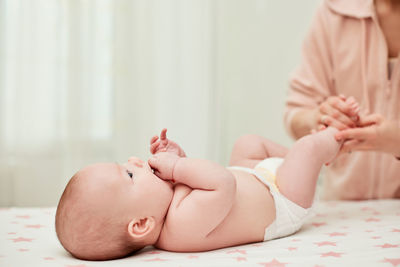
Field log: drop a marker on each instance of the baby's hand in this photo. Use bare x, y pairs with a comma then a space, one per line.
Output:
354, 110
165, 145
163, 165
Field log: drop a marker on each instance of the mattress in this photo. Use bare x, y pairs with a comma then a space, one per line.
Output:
365, 233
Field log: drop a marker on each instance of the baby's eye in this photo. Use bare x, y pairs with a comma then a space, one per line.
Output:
129, 173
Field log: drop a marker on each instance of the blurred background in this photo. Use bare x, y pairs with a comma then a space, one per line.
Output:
83, 81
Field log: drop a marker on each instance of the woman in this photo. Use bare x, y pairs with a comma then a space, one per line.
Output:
353, 50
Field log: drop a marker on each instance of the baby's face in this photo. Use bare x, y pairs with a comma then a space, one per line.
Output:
131, 187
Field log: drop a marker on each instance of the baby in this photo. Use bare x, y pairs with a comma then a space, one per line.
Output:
175, 203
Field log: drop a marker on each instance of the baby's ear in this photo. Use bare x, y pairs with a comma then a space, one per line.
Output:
139, 229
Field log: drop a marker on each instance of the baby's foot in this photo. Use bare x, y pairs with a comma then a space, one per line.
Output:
354, 108
328, 142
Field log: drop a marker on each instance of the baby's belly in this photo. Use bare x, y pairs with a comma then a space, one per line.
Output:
252, 212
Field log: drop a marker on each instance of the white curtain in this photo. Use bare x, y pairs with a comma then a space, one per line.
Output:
83, 81
87, 81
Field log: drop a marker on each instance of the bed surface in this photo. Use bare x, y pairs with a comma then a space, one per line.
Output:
365, 233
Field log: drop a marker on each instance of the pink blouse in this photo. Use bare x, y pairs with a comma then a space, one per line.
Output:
345, 52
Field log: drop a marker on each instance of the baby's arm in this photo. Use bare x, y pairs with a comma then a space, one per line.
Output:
251, 149
212, 197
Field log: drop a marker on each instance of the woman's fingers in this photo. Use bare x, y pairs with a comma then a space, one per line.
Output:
370, 120
335, 115
329, 121
355, 133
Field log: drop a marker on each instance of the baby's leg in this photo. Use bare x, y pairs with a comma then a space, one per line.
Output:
251, 149
298, 174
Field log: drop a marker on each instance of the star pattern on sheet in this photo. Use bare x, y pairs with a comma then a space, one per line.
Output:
34, 226
23, 216
240, 251
273, 263
318, 224
193, 257
21, 239
330, 245
395, 262
241, 259
325, 243
336, 234
371, 219
156, 259
386, 245
332, 254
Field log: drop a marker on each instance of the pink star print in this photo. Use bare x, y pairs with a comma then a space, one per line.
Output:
325, 243
241, 259
21, 239
23, 249
23, 216
394, 262
292, 248
396, 230
193, 257
316, 224
331, 254
372, 220
237, 251
154, 252
156, 259
36, 226
273, 263
366, 208
337, 234
386, 245
48, 258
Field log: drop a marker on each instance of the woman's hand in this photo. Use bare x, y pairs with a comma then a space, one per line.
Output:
375, 133
165, 145
337, 111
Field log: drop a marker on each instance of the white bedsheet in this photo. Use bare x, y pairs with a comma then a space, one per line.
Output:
343, 234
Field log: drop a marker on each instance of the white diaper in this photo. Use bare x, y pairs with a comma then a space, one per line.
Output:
289, 216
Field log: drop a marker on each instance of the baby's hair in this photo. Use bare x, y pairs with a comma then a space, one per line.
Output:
88, 234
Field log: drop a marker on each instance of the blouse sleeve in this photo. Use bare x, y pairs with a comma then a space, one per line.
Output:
312, 82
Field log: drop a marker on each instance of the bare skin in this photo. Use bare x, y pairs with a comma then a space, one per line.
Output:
209, 212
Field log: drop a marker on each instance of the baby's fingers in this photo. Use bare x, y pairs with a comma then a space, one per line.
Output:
154, 147
153, 139
163, 134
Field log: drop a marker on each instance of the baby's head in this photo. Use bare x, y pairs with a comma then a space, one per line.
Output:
109, 210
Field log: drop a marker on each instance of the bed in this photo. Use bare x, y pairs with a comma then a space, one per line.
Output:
365, 233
